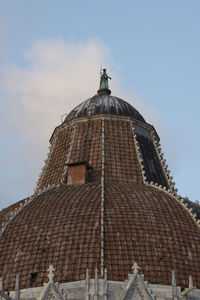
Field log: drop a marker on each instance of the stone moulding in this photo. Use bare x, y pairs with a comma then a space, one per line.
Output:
100, 117
172, 191
166, 171
139, 155
69, 152
45, 165
178, 198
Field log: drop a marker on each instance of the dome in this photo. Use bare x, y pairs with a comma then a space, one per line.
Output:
104, 200
62, 226
104, 104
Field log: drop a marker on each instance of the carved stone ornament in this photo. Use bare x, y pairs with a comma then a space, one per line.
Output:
5, 296
51, 290
136, 288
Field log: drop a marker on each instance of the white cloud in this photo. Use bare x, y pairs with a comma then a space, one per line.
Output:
57, 77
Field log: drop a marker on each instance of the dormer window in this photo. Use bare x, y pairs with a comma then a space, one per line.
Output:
77, 172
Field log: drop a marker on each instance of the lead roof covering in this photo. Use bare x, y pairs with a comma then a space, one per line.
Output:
104, 104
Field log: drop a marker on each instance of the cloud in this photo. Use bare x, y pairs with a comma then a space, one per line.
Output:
57, 77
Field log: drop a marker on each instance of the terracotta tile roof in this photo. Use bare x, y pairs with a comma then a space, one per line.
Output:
55, 164
62, 227
87, 145
146, 225
83, 142
121, 161
6, 212
112, 220
59, 227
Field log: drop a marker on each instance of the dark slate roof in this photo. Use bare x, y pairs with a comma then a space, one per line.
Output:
195, 207
62, 227
104, 104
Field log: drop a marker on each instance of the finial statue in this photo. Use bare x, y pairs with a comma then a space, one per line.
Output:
51, 275
104, 80
135, 268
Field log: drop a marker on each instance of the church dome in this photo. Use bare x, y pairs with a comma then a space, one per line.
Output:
104, 199
104, 104
62, 227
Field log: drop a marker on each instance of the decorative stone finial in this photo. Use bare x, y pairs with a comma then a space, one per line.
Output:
135, 268
173, 278
105, 274
87, 275
174, 286
17, 288
190, 281
51, 275
104, 87
96, 273
1, 285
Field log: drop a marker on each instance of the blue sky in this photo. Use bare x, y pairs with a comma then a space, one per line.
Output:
152, 50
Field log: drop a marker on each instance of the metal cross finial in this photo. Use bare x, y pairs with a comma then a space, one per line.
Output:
51, 275
135, 268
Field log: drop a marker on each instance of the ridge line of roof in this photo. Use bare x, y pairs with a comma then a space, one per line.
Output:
102, 199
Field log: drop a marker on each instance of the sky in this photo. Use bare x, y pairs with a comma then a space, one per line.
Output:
50, 56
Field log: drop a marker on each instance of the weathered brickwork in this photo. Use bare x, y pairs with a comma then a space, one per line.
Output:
121, 162
58, 228
87, 146
55, 164
6, 212
148, 226
62, 227
104, 202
